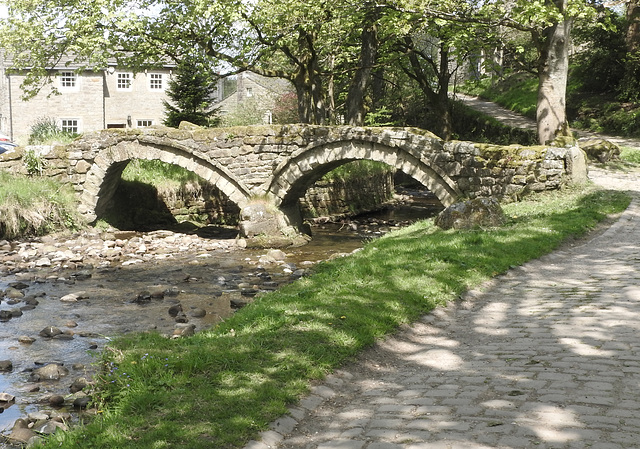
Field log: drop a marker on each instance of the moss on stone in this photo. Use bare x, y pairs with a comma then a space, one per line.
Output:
509, 156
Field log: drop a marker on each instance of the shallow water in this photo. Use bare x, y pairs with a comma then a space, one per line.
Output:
111, 308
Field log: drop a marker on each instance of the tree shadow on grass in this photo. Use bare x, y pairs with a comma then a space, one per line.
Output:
223, 386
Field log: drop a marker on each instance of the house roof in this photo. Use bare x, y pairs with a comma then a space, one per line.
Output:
67, 62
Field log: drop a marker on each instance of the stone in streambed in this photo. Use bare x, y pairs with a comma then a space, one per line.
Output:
175, 310
13, 293
198, 312
184, 330
50, 332
6, 398
6, 366
52, 371
79, 384
21, 432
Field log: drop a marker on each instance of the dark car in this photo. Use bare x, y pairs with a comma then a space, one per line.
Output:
6, 146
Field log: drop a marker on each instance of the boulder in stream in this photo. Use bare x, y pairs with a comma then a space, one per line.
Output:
6, 366
52, 371
50, 332
476, 213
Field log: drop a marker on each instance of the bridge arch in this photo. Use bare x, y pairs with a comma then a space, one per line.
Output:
295, 175
104, 175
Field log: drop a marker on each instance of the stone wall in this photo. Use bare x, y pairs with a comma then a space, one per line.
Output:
347, 197
510, 172
277, 164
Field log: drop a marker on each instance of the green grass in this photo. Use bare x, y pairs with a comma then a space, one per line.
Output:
221, 387
35, 206
630, 155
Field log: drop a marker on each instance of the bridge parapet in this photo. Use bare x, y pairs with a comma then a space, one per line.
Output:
275, 165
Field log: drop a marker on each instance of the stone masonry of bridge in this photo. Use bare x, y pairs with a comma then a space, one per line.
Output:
266, 169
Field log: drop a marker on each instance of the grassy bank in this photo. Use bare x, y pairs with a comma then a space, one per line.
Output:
601, 113
219, 388
32, 206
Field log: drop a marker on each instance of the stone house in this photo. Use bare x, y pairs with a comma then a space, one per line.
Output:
258, 93
85, 100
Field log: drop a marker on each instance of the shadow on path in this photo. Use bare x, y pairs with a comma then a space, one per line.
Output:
546, 356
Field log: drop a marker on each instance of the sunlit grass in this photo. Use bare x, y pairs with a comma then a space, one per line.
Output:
221, 387
35, 205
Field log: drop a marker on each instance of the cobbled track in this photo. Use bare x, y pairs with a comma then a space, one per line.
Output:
545, 356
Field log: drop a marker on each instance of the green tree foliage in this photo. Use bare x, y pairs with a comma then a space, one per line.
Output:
191, 91
598, 66
336, 54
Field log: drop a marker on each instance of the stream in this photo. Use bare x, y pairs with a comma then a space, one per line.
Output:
64, 298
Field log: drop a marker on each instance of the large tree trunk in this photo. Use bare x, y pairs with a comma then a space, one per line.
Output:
442, 101
438, 98
633, 26
368, 52
311, 107
308, 84
552, 88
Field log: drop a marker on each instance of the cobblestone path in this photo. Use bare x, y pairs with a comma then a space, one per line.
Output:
545, 356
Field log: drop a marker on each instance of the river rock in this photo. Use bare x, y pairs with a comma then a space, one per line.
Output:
50, 332
81, 402
55, 400
143, 296
6, 397
479, 212
157, 291
198, 312
175, 310
184, 330
173, 291
5, 315
18, 285
66, 335
52, 371
181, 317
47, 427
81, 275
21, 432
31, 300
6, 366
13, 293
43, 262
79, 384
25, 339
239, 303
73, 297
248, 291
38, 416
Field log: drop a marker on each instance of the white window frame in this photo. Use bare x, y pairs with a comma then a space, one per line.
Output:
72, 125
143, 123
156, 81
249, 92
121, 78
68, 80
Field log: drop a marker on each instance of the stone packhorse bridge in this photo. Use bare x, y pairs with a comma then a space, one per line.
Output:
266, 169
